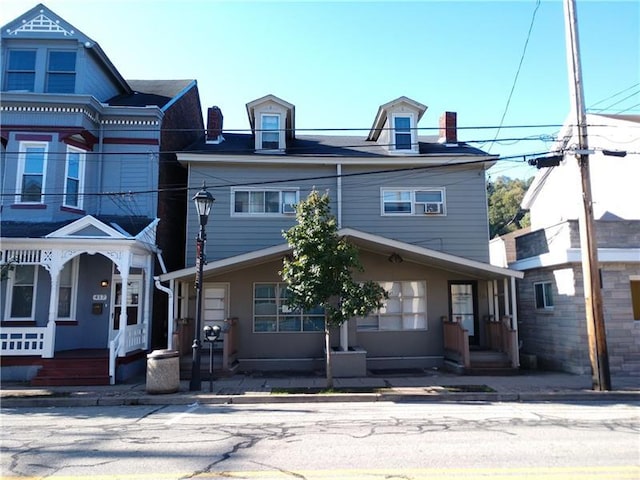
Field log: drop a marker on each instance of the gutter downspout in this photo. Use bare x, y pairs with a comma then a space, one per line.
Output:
169, 293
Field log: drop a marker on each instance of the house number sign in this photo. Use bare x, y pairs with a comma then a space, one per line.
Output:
99, 297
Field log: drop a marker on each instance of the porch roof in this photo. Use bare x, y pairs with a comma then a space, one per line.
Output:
366, 242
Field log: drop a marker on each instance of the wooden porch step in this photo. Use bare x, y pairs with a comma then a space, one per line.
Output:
72, 371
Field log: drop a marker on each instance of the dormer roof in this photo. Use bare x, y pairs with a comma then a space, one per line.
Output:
290, 124
384, 110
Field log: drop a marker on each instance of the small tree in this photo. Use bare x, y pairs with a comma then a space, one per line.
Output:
319, 271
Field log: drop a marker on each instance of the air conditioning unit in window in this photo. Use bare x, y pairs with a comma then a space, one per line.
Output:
288, 208
432, 208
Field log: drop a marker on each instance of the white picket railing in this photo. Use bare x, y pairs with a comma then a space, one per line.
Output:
23, 341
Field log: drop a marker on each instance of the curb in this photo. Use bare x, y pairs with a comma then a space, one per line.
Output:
398, 397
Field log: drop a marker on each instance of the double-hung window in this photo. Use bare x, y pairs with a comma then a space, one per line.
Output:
272, 314
270, 132
67, 289
32, 168
402, 133
21, 70
22, 292
61, 72
544, 295
264, 202
405, 309
428, 201
74, 177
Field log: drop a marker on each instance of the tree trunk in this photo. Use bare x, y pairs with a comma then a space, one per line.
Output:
327, 348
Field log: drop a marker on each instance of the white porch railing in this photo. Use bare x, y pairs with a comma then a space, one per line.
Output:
23, 341
135, 338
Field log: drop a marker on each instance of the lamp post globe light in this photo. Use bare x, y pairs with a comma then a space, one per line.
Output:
203, 201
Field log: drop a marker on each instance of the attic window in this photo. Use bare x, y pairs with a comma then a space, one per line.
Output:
21, 70
61, 72
270, 132
402, 130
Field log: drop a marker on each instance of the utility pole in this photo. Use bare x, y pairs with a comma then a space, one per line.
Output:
598, 353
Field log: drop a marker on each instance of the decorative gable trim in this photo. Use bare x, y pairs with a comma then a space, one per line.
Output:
87, 227
41, 24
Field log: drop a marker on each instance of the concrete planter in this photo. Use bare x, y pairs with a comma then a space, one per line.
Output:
350, 363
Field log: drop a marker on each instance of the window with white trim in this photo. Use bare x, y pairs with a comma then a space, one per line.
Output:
61, 72
402, 132
405, 309
272, 314
67, 288
32, 163
270, 132
21, 71
544, 295
74, 177
264, 202
22, 292
427, 201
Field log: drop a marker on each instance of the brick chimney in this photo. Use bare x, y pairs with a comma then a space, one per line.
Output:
448, 128
214, 125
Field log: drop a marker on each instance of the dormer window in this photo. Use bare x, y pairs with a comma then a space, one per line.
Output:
270, 132
402, 132
395, 126
272, 122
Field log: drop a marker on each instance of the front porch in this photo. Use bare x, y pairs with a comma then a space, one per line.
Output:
498, 357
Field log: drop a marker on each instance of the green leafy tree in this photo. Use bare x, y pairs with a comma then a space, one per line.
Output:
320, 270
504, 196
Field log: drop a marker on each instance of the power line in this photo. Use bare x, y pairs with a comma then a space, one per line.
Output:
283, 180
515, 80
614, 95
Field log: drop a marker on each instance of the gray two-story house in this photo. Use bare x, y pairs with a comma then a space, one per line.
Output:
414, 205
88, 182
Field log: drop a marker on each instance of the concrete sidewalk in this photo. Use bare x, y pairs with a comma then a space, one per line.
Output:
264, 388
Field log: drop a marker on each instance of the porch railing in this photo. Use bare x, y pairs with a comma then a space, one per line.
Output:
23, 341
134, 339
456, 343
504, 338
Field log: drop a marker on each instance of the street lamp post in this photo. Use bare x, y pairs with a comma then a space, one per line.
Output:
203, 201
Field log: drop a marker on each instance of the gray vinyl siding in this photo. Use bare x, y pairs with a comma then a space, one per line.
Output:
129, 168
229, 235
93, 79
462, 231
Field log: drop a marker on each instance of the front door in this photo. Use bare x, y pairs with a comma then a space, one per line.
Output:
214, 306
134, 297
462, 298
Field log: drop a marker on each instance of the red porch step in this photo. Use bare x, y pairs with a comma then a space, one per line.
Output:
72, 371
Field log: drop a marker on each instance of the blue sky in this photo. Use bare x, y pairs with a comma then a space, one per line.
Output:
338, 61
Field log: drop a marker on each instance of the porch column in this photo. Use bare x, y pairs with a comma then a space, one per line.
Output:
516, 351
122, 329
505, 287
496, 301
50, 336
344, 336
53, 263
490, 300
148, 292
